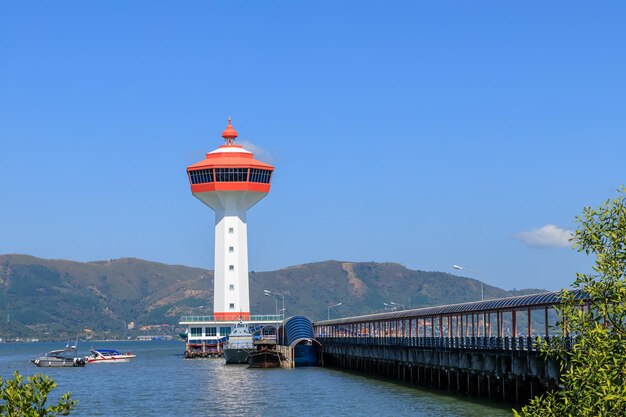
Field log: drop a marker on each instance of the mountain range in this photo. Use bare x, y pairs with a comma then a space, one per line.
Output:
51, 298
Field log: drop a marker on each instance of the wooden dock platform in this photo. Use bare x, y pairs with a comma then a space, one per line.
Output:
203, 351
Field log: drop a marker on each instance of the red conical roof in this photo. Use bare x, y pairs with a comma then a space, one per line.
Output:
229, 133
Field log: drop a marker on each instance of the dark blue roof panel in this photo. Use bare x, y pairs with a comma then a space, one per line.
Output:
297, 327
532, 301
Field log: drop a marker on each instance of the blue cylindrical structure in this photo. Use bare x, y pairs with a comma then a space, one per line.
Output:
297, 332
296, 327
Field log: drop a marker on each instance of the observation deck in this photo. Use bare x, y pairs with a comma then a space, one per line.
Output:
230, 168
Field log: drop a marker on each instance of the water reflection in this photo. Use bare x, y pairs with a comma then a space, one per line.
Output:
161, 383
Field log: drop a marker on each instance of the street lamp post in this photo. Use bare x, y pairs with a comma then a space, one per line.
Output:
480, 275
268, 293
393, 306
329, 307
192, 309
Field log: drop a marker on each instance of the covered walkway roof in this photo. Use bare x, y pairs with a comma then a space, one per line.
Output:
532, 301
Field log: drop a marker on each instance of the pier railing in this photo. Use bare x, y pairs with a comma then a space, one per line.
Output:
201, 319
527, 344
512, 323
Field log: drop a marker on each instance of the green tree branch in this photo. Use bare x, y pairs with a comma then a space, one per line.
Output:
28, 399
594, 368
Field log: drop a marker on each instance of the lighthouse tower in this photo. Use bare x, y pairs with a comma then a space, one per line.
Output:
230, 181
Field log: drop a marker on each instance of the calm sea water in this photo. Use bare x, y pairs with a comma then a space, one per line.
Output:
159, 382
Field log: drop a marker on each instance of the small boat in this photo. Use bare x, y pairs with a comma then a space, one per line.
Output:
239, 344
64, 358
108, 356
265, 355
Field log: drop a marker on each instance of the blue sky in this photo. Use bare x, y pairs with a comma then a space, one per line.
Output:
424, 133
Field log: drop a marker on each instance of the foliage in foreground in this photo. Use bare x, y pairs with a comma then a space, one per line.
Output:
28, 399
594, 370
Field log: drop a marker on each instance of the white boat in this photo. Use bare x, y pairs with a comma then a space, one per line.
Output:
63, 358
108, 356
239, 344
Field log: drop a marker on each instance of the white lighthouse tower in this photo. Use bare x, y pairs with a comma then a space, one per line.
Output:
230, 181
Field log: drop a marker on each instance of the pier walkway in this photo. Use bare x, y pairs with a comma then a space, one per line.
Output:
483, 348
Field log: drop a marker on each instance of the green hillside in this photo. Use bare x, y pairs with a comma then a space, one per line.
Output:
46, 299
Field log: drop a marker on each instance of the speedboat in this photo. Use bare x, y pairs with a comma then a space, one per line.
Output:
63, 358
108, 356
239, 344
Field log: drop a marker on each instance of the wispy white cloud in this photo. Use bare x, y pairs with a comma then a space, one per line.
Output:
548, 235
259, 153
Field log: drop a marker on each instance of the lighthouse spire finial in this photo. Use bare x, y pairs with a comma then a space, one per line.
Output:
229, 134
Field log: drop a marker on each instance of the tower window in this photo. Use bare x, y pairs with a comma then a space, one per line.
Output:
201, 176
231, 249
231, 306
231, 230
231, 174
231, 287
231, 267
260, 175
